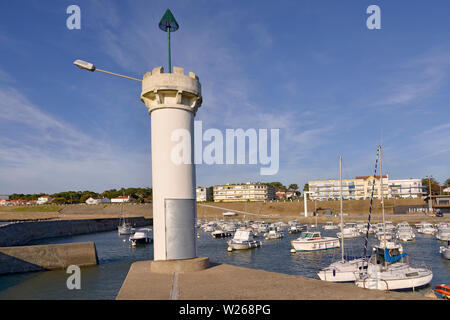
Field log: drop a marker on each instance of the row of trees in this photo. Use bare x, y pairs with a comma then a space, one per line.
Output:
70, 197
280, 187
436, 187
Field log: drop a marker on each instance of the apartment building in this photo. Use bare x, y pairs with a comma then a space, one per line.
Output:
202, 194
361, 187
243, 192
406, 188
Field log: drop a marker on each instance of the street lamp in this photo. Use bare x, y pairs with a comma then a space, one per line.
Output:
91, 67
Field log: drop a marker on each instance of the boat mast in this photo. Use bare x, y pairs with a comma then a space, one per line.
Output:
340, 199
366, 241
382, 202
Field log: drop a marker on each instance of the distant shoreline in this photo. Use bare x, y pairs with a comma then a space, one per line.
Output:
354, 210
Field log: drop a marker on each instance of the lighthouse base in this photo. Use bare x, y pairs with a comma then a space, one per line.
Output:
181, 265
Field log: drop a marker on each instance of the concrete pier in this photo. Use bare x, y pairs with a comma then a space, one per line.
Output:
46, 257
226, 282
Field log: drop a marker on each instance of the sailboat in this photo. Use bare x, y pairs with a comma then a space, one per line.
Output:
386, 269
342, 270
124, 228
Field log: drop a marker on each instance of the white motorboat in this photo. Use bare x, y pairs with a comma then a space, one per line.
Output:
445, 250
443, 233
273, 234
349, 231
330, 226
403, 224
388, 235
426, 228
210, 227
313, 241
141, 236
230, 227
405, 234
387, 271
361, 227
220, 234
263, 228
243, 239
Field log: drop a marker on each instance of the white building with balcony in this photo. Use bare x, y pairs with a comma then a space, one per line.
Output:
361, 187
406, 188
243, 192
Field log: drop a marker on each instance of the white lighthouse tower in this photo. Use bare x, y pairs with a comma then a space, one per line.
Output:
172, 100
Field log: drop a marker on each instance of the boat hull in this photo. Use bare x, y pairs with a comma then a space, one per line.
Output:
386, 281
346, 271
316, 245
403, 284
445, 252
141, 241
221, 235
125, 230
244, 246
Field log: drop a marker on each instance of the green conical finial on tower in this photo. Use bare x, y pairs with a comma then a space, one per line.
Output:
168, 24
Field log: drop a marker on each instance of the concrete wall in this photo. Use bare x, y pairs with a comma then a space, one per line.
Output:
47, 257
22, 233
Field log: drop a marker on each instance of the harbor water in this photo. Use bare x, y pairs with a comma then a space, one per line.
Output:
115, 256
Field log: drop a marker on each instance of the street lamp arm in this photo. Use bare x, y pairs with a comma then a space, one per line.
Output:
90, 67
118, 75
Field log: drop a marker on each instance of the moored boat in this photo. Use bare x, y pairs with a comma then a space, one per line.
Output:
243, 239
443, 290
313, 241
141, 236
405, 234
343, 270
125, 229
349, 231
387, 271
273, 234
445, 250
221, 234
426, 228
443, 233
330, 226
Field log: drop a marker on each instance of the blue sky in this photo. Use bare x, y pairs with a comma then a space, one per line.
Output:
309, 68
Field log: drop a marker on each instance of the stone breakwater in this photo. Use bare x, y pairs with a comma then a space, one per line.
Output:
22, 233
47, 257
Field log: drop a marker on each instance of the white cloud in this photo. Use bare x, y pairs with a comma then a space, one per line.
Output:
416, 79
41, 153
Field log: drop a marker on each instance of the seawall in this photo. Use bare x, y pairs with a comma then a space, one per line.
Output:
22, 233
47, 257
